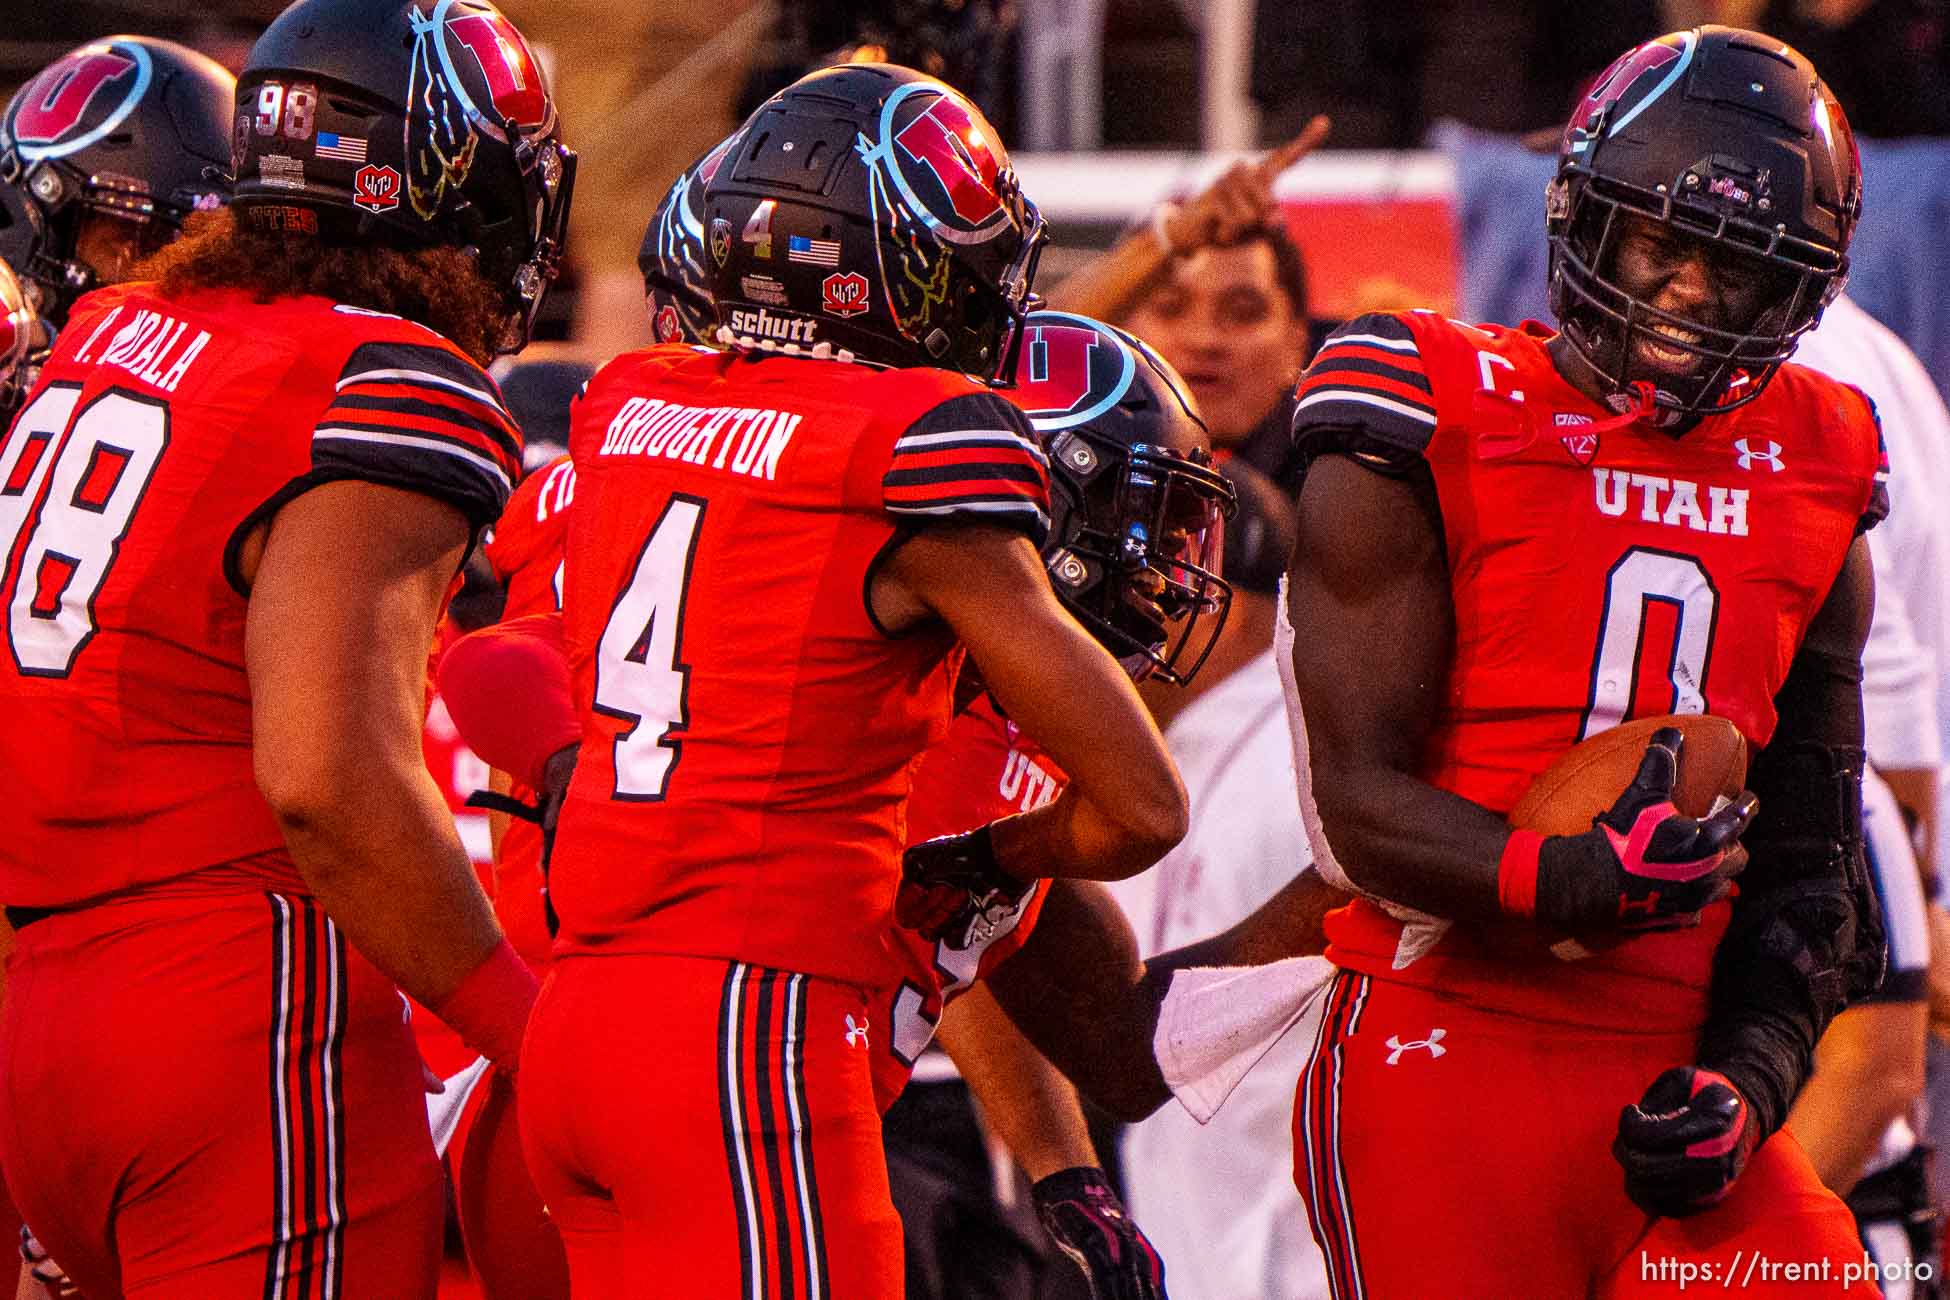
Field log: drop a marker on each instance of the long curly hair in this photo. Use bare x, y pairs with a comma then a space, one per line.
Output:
439, 287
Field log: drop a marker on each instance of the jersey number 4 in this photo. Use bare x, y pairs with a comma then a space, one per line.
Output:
96, 463
638, 676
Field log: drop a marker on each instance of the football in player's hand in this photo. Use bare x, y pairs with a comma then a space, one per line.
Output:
1588, 778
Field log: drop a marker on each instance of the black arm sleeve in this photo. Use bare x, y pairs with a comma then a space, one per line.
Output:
1807, 934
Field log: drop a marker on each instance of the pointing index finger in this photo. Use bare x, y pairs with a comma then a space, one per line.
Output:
1295, 149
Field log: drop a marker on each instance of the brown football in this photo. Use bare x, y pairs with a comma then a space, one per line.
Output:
1589, 777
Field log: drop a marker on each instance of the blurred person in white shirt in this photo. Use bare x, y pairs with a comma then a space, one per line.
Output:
1857, 1115
1219, 1201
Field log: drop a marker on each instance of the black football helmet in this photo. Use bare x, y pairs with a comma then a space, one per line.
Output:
131, 126
1728, 136
416, 122
1137, 512
23, 343
676, 283
868, 211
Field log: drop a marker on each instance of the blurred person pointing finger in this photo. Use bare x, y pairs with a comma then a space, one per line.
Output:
1218, 287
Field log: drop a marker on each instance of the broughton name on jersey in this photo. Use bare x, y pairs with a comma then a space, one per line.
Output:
748, 440
1674, 502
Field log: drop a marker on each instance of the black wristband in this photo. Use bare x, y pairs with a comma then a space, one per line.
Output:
1575, 890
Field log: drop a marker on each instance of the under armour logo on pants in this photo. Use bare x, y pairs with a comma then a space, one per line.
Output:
1433, 1043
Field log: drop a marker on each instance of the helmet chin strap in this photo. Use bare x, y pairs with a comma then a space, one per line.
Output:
1638, 402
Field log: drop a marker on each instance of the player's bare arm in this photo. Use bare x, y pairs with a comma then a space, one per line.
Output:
1086, 1001
1033, 1109
344, 596
1125, 806
1369, 586
1026, 1102
1868, 1072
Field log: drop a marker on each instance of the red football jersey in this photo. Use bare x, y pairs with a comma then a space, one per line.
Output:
525, 549
749, 732
983, 769
161, 432
1596, 577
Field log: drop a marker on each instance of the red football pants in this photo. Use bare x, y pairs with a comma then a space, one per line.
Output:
214, 1097
1444, 1150
705, 1130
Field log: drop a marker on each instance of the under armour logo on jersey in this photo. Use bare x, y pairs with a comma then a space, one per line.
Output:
1433, 1043
856, 1032
1770, 458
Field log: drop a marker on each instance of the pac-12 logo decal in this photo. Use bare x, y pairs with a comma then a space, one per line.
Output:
1070, 370
80, 98
376, 189
1575, 433
844, 294
942, 159
720, 240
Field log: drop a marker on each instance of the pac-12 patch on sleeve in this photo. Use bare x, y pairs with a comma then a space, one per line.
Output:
421, 418
972, 459
1369, 376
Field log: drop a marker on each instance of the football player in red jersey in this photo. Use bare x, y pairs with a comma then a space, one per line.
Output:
1130, 459
103, 154
234, 504
1644, 511
772, 557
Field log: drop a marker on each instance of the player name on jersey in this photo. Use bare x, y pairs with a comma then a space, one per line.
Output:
747, 440
151, 345
1725, 512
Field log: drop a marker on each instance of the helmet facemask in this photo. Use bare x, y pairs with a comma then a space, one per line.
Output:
1138, 535
1606, 323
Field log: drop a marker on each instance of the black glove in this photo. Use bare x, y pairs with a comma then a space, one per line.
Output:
952, 890
1643, 865
1089, 1224
1685, 1142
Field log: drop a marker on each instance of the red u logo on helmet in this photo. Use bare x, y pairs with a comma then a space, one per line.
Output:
953, 145
514, 78
55, 103
1054, 374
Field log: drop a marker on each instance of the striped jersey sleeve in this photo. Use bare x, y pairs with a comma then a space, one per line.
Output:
422, 418
1367, 380
972, 459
